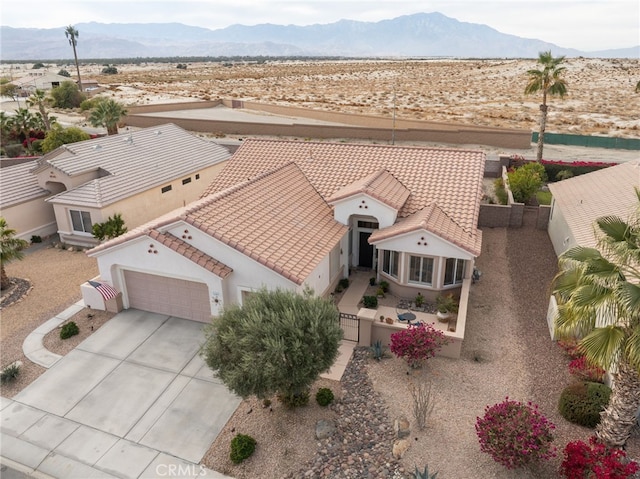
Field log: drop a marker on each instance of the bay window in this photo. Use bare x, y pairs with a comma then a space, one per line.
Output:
390, 260
453, 271
421, 270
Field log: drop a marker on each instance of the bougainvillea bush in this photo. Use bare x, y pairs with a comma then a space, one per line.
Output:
417, 343
582, 369
515, 434
597, 461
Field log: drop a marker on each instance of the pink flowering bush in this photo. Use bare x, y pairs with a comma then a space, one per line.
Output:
584, 370
515, 434
597, 461
417, 343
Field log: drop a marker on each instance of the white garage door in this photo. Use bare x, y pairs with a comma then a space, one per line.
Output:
175, 297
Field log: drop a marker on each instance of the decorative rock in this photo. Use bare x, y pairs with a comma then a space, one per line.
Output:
324, 428
401, 427
400, 448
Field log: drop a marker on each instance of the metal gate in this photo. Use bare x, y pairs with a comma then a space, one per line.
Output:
350, 325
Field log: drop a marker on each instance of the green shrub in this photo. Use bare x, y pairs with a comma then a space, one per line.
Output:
526, 180
372, 281
582, 402
10, 373
242, 447
344, 282
370, 302
291, 401
36, 239
563, 175
324, 396
14, 150
384, 285
68, 330
501, 192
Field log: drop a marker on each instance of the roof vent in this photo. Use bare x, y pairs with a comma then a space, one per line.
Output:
96, 147
129, 139
158, 132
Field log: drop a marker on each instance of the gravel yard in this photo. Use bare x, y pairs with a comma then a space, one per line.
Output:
55, 276
507, 352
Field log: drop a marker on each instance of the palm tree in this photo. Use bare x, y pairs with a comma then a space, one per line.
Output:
72, 35
39, 99
10, 249
24, 121
107, 113
598, 293
550, 81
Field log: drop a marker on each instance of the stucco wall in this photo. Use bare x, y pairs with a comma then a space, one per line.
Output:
364, 126
34, 217
559, 232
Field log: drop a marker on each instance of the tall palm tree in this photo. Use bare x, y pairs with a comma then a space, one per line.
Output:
107, 113
548, 80
598, 291
10, 249
39, 99
72, 35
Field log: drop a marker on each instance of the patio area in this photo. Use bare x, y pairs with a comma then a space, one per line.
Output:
392, 306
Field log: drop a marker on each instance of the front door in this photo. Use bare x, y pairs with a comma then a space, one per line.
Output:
365, 258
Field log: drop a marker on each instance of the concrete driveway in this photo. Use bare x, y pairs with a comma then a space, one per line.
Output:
134, 400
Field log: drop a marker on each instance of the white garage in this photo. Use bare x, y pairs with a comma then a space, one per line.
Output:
166, 295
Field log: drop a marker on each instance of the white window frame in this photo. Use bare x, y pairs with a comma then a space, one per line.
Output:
421, 269
458, 267
393, 259
82, 219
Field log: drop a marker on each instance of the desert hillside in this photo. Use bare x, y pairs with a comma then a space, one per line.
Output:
601, 99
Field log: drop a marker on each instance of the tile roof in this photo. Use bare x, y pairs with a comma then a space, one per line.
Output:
18, 185
433, 219
381, 185
130, 163
449, 178
192, 253
585, 198
290, 232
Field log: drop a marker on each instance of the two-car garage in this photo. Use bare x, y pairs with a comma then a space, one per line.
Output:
165, 295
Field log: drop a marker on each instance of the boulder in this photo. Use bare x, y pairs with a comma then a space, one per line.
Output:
400, 448
325, 428
401, 427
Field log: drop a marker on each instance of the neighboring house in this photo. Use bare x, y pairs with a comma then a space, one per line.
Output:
294, 214
579, 201
22, 202
90, 84
140, 175
41, 80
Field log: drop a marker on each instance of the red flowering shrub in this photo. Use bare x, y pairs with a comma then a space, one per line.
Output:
597, 461
570, 347
417, 343
584, 370
515, 434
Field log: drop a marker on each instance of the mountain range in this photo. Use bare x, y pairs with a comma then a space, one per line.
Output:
418, 35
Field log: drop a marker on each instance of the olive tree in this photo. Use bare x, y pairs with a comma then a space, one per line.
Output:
276, 342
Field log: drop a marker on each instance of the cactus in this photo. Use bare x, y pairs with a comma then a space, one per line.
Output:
418, 474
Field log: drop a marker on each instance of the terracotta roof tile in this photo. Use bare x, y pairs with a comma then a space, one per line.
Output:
381, 185
448, 178
190, 252
585, 198
277, 218
436, 221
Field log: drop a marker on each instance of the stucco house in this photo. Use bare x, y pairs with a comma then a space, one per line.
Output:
139, 175
39, 79
22, 202
294, 214
579, 201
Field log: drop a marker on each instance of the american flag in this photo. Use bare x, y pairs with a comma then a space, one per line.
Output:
107, 292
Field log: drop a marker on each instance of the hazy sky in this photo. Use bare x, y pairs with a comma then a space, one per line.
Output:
583, 24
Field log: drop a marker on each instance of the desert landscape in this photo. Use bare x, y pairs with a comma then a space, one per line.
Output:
601, 99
